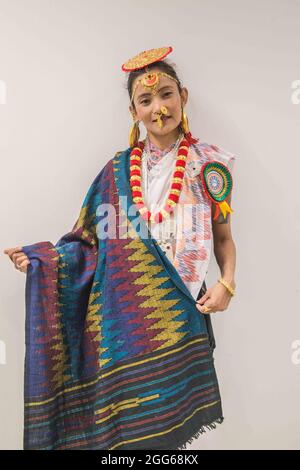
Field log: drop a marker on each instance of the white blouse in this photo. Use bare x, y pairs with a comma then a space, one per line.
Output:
185, 237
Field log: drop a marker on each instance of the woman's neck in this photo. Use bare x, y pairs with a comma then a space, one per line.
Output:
164, 141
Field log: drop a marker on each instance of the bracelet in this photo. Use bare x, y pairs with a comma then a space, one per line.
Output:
228, 287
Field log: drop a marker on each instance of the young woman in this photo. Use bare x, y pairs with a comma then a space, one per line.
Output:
119, 341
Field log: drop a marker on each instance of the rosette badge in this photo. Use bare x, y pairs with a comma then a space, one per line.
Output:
217, 183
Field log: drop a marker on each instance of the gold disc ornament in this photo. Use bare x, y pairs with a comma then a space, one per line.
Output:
146, 58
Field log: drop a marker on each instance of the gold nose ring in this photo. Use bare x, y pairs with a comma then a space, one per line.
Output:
164, 111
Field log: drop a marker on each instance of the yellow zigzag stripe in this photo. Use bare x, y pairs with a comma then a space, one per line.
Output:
59, 350
163, 308
82, 222
94, 318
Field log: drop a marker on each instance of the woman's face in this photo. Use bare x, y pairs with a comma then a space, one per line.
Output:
147, 105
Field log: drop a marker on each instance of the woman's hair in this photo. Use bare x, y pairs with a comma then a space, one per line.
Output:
163, 65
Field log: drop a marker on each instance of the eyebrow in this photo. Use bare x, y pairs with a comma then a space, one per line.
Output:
147, 94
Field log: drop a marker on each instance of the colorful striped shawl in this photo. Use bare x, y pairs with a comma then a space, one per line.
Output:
117, 354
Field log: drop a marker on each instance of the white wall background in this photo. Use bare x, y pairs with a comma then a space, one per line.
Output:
63, 115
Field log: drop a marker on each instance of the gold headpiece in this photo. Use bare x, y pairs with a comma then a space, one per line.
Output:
145, 58
151, 80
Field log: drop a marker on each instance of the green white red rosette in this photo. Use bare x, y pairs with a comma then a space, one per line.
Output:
217, 184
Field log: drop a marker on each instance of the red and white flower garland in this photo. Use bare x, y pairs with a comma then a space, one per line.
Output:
176, 186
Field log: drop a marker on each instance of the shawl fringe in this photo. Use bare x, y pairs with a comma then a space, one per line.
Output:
203, 429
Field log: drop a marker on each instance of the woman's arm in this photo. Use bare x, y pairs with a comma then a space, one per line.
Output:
224, 247
217, 297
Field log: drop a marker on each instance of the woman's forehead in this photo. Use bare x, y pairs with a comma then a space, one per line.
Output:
163, 81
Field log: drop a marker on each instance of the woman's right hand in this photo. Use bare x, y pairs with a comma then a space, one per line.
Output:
18, 257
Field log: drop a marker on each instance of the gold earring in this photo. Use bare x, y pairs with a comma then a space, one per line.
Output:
185, 123
134, 134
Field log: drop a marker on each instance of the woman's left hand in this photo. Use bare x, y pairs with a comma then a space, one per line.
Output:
217, 298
